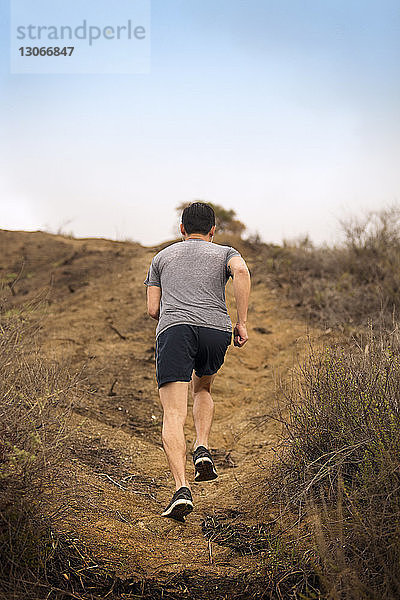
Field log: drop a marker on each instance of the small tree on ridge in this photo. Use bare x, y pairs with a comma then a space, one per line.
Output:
225, 219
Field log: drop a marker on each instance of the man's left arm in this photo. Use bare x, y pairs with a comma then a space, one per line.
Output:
153, 301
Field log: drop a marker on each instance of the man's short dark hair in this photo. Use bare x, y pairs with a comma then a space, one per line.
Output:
198, 217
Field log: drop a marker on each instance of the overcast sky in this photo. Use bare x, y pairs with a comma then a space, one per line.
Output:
286, 111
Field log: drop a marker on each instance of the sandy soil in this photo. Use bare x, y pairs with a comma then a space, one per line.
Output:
95, 317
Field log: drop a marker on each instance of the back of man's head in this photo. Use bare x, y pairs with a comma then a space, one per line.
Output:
198, 217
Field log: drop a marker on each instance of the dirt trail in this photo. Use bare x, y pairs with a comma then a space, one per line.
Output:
96, 317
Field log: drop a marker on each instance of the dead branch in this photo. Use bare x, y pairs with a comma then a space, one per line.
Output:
111, 392
123, 337
12, 283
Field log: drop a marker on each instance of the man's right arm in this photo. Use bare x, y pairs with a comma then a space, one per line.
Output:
241, 290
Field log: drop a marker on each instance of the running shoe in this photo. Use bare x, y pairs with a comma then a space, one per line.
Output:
180, 505
204, 465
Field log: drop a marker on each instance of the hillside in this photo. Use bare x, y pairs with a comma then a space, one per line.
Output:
94, 317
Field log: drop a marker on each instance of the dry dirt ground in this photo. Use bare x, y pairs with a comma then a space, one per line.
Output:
95, 317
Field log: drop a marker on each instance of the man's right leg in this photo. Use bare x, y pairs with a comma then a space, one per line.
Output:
212, 347
203, 408
203, 411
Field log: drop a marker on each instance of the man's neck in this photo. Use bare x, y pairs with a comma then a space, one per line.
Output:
198, 236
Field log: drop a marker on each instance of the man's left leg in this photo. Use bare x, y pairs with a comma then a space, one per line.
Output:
173, 397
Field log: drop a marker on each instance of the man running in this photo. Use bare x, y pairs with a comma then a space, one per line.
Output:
186, 295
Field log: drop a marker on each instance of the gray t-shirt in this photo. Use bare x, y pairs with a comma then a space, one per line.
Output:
192, 275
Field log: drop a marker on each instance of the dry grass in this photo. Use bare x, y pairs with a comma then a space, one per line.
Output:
35, 401
336, 484
345, 286
337, 479
332, 515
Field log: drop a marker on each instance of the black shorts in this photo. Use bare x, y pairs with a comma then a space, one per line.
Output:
180, 349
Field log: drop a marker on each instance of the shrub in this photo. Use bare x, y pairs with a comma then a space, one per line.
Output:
348, 285
340, 468
34, 403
